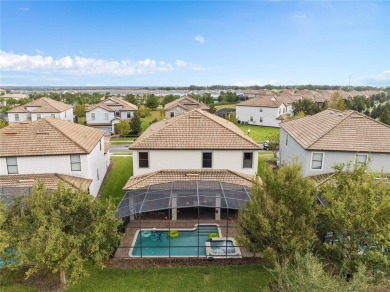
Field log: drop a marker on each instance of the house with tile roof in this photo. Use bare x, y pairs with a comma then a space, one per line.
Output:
182, 105
41, 108
261, 111
331, 137
190, 156
109, 112
52, 146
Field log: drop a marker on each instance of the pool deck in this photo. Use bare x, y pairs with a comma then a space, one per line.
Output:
228, 229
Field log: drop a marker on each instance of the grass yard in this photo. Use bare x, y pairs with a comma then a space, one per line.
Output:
259, 133
209, 278
218, 107
117, 178
122, 139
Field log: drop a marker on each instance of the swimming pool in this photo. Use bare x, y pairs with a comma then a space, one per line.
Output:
158, 243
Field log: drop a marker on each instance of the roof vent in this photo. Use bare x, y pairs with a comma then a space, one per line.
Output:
340, 115
25, 180
192, 174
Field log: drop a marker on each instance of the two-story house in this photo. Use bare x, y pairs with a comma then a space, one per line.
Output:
41, 108
262, 111
106, 114
182, 105
53, 146
191, 153
331, 137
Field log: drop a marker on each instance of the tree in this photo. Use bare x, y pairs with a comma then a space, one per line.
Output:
122, 128
3, 123
212, 109
281, 218
169, 98
356, 220
273, 143
152, 101
307, 106
131, 98
143, 111
231, 117
336, 102
79, 110
60, 231
135, 124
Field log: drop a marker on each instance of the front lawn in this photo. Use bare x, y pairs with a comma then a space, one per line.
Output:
121, 171
259, 133
208, 278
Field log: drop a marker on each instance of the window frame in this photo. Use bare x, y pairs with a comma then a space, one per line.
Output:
360, 154
12, 165
106, 116
17, 118
143, 159
53, 115
203, 159
39, 116
93, 116
172, 114
243, 159
129, 115
251, 119
261, 109
73, 164
261, 119
322, 161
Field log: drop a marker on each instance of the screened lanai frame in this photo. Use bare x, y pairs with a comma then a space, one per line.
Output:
183, 194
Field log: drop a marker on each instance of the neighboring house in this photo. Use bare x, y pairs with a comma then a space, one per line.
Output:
182, 105
5, 97
331, 137
39, 109
196, 159
106, 114
262, 111
53, 146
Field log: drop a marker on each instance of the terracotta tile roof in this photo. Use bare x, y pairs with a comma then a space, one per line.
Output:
45, 105
170, 175
126, 106
18, 109
186, 102
107, 146
48, 136
286, 99
339, 131
195, 129
50, 180
265, 101
101, 105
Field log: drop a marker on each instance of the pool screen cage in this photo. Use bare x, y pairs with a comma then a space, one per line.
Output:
161, 203
8, 193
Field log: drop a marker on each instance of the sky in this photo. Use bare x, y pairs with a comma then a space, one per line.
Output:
182, 43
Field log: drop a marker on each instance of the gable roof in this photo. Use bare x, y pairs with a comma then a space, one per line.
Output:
48, 136
186, 102
50, 180
44, 104
126, 106
195, 129
265, 101
171, 175
334, 130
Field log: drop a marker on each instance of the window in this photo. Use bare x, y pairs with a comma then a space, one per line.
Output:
207, 159
12, 165
279, 111
143, 159
248, 160
261, 119
172, 114
128, 115
97, 174
53, 115
92, 116
65, 114
100, 145
75, 163
286, 139
16, 117
261, 110
38, 116
106, 116
316, 160
251, 119
117, 113
361, 159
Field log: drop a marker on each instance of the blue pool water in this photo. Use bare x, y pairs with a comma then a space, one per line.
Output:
158, 243
220, 247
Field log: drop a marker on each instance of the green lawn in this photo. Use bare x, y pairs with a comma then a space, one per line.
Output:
259, 133
117, 178
218, 107
120, 139
209, 278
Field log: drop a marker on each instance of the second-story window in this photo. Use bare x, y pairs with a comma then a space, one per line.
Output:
261, 119
143, 159
16, 117
172, 114
38, 116
261, 110
361, 159
207, 159
75, 163
128, 115
92, 116
12, 165
53, 115
106, 116
248, 160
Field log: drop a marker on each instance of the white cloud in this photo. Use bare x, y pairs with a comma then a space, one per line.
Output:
86, 66
199, 39
39, 52
381, 79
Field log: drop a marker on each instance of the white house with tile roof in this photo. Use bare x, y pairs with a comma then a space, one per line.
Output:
41, 108
53, 146
106, 114
331, 137
261, 111
194, 140
182, 105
